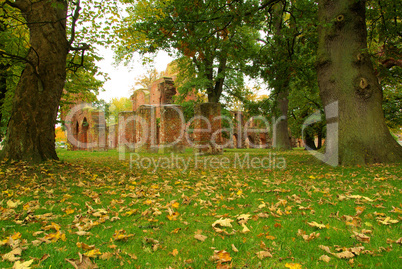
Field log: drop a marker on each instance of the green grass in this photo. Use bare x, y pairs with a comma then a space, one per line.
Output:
139, 202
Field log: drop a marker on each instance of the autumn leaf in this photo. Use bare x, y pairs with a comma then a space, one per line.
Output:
53, 226
316, 225
242, 219
174, 253
344, 254
309, 237
221, 256
173, 216
85, 246
324, 258
121, 235
106, 256
83, 262
245, 229
54, 237
22, 265
12, 255
325, 248
200, 237
293, 266
361, 237
264, 254
223, 223
93, 253
388, 221
11, 204
234, 248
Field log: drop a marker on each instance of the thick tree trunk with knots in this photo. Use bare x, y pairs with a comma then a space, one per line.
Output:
31, 130
346, 75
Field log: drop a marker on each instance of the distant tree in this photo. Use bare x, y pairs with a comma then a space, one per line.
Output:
209, 37
60, 135
145, 80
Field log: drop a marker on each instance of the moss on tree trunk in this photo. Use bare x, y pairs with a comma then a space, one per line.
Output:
346, 76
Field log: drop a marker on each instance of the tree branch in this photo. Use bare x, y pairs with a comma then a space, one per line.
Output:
74, 22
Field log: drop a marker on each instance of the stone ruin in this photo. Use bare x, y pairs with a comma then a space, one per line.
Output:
157, 125
86, 129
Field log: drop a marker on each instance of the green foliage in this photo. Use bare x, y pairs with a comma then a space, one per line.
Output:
117, 105
210, 36
14, 45
84, 80
384, 25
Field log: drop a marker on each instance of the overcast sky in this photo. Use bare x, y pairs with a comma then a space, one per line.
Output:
122, 78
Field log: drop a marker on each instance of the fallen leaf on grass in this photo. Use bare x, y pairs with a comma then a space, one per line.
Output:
106, 256
344, 254
53, 226
173, 216
221, 256
174, 253
263, 215
293, 266
242, 219
325, 248
83, 262
85, 246
263, 254
22, 265
121, 235
223, 223
223, 266
309, 237
56, 236
324, 258
12, 205
82, 233
94, 253
361, 237
245, 229
315, 224
234, 248
388, 221
200, 237
11, 256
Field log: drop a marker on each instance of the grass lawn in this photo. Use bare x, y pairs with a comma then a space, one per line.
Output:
219, 212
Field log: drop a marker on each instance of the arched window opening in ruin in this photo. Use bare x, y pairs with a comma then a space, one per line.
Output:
76, 130
84, 131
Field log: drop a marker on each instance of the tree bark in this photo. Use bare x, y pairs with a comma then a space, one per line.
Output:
281, 137
346, 75
31, 130
3, 90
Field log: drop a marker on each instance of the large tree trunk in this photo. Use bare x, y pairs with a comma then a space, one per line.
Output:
346, 76
3, 90
31, 130
281, 138
3, 83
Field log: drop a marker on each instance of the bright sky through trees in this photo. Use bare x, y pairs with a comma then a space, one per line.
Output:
122, 78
